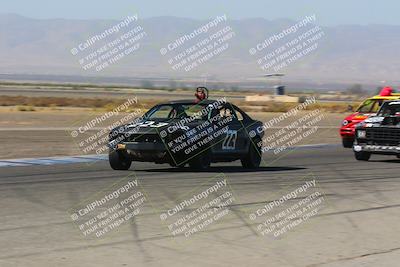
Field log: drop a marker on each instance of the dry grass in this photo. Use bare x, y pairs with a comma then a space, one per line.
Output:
55, 102
52, 101
284, 107
25, 108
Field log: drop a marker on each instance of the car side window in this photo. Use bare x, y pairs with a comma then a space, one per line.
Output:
376, 106
241, 116
227, 112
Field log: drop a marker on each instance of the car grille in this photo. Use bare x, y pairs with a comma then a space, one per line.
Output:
382, 136
145, 138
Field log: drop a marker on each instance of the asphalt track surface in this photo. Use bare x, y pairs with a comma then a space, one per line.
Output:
358, 225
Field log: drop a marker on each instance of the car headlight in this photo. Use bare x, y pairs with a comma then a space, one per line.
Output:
361, 124
345, 122
361, 134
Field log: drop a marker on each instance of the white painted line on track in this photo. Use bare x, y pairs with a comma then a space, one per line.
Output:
51, 160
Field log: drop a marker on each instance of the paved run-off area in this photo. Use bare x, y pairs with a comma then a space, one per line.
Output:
358, 225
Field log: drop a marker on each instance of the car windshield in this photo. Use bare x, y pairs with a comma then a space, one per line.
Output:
390, 109
175, 111
370, 106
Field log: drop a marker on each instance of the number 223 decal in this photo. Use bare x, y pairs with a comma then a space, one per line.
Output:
229, 142
151, 124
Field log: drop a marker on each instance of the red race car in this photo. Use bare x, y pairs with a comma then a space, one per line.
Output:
368, 108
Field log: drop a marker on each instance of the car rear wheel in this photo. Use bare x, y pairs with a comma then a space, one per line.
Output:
118, 161
253, 158
362, 156
201, 161
347, 142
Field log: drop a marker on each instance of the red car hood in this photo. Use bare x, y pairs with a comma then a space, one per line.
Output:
358, 116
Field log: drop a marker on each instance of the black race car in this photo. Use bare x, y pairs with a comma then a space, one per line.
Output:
189, 132
379, 134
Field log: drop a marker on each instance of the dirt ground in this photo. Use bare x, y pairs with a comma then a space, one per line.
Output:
47, 132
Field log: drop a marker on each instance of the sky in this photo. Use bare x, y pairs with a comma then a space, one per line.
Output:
329, 13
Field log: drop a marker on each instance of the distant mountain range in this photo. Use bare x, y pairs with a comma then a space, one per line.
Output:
345, 54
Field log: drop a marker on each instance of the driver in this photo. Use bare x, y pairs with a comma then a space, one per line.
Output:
201, 94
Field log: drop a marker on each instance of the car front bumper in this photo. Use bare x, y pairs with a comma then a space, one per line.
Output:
144, 151
347, 132
377, 149
141, 146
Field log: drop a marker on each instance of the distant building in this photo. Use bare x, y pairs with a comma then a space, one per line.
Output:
272, 98
279, 93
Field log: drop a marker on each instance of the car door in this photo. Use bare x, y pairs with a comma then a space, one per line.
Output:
234, 140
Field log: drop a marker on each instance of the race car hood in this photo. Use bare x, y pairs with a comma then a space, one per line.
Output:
358, 116
154, 126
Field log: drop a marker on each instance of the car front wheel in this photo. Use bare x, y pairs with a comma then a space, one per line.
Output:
362, 156
118, 161
253, 158
347, 142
